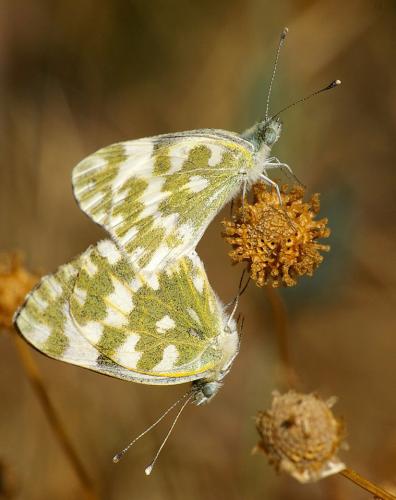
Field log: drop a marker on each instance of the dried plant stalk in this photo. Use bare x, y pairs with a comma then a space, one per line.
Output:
15, 283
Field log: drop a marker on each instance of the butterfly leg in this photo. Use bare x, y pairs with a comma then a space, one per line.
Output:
276, 163
272, 183
243, 196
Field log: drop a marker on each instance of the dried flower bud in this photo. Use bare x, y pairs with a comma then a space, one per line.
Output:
15, 282
301, 436
278, 241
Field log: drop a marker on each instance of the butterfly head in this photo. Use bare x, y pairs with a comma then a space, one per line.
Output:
204, 390
269, 131
264, 133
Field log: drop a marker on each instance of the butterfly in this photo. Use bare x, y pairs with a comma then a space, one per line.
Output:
156, 196
99, 313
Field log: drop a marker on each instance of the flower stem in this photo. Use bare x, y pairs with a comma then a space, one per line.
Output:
37, 383
279, 313
367, 485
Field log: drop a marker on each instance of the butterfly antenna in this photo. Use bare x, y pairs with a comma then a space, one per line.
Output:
331, 85
241, 289
149, 468
281, 42
119, 455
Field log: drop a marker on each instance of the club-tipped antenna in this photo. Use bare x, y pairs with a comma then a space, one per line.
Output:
281, 42
120, 454
332, 85
149, 468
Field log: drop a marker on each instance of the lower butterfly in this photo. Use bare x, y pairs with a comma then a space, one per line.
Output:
99, 313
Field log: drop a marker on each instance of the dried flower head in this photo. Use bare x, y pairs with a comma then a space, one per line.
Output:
301, 436
278, 241
15, 282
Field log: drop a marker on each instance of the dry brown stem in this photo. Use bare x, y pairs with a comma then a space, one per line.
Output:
378, 492
32, 372
289, 375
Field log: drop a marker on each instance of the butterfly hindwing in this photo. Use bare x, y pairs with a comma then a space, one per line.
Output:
156, 196
161, 325
99, 313
45, 322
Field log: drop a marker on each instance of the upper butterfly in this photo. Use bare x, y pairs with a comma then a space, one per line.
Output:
157, 195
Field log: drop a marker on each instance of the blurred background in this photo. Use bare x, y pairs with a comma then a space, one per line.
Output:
76, 76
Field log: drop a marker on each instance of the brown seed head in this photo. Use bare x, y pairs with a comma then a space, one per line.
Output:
301, 436
279, 242
15, 282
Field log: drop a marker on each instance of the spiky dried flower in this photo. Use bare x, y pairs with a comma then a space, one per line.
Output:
301, 436
15, 282
279, 242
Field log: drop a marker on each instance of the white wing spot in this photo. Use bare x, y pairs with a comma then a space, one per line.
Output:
53, 286
194, 315
129, 235
137, 159
126, 355
136, 254
121, 297
90, 267
79, 351
151, 279
166, 323
168, 360
37, 333
158, 256
135, 284
152, 196
115, 318
109, 251
216, 155
80, 295
198, 282
197, 183
178, 155
185, 231
94, 331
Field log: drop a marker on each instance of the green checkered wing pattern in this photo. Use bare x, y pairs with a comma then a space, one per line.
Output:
45, 322
168, 325
156, 196
97, 312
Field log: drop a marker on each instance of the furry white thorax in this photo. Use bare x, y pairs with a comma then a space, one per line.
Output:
263, 136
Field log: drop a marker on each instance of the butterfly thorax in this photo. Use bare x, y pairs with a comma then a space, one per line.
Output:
263, 135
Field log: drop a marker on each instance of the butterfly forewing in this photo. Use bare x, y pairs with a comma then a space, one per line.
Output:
161, 325
156, 196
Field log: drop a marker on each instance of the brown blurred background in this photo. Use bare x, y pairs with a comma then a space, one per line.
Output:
76, 76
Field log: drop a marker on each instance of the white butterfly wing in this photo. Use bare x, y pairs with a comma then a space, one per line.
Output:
156, 196
60, 318
170, 325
